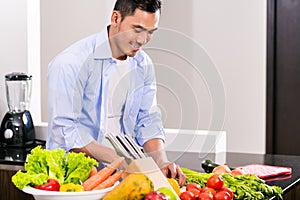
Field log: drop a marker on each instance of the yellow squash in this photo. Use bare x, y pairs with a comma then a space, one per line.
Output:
135, 186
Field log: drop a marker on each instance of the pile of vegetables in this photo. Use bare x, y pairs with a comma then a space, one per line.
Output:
214, 190
244, 186
47, 168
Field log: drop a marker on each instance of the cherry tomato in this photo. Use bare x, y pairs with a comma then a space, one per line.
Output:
195, 191
208, 190
206, 196
222, 195
215, 181
187, 195
52, 185
227, 190
193, 185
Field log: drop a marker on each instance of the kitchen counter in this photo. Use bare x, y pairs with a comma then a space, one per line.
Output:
12, 160
289, 183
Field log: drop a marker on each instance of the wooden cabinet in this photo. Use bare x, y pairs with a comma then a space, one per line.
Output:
283, 72
293, 194
7, 189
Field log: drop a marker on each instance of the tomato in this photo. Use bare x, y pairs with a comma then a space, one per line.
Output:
215, 181
227, 190
187, 195
222, 195
195, 191
206, 196
52, 185
208, 190
193, 185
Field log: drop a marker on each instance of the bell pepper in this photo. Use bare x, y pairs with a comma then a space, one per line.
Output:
51, 185
71, 187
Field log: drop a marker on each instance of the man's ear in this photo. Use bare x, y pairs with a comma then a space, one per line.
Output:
116, 18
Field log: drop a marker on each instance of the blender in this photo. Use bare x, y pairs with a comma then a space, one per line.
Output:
17, 129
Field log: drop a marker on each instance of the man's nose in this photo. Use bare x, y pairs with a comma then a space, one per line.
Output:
142, 38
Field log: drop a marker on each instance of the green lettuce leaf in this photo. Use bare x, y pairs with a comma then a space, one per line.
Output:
56, 164
44, 164
78, 167
36, 162
21, 179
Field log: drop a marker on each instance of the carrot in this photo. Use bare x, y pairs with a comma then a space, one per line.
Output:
93, 172
110, 181
102, 175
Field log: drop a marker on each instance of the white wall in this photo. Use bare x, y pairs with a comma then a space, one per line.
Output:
63, 23
13, 43
227, 38
221, 41
235, 38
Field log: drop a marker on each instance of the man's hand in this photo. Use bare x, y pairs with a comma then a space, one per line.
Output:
155, 148
171, 170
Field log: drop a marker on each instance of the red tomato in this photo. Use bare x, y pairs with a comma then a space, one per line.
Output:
208, 190
195, 191
215, 181
222, 195
187, 195
227, 190
206, 196
193, 185
52, 185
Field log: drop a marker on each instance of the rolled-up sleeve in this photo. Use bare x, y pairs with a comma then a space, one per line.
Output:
149, 124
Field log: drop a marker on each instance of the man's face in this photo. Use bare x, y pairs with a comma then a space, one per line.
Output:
134, 32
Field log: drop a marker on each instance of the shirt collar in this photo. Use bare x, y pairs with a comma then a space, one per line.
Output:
102, 47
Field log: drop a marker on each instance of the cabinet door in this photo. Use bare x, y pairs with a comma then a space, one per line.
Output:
7, 189
283, 81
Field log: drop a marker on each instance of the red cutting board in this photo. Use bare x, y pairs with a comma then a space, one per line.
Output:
266, 171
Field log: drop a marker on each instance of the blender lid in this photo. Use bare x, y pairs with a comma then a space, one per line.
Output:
17, 76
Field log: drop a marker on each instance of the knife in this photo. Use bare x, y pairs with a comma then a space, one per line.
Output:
134, 145
121, 151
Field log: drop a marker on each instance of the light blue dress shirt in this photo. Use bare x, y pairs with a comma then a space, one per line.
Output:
77, 95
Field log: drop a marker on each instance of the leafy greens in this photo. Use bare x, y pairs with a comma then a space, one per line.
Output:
45, 164
244, 186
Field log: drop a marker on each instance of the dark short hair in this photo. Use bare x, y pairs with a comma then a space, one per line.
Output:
128, 7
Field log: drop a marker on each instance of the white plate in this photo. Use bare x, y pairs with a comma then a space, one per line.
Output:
50, 195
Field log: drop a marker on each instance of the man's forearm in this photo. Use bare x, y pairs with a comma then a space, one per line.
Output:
98, 151
155, 148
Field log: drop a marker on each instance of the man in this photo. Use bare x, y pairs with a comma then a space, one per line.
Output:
106, 83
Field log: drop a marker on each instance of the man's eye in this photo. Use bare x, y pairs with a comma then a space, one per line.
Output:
138, 30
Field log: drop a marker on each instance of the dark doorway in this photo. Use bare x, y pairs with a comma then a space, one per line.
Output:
283, 77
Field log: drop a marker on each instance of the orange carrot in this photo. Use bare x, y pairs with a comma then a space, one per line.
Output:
110, 181
93, 172
102, 175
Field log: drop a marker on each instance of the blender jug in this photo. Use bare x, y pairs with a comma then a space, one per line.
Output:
17, 126
18, 91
